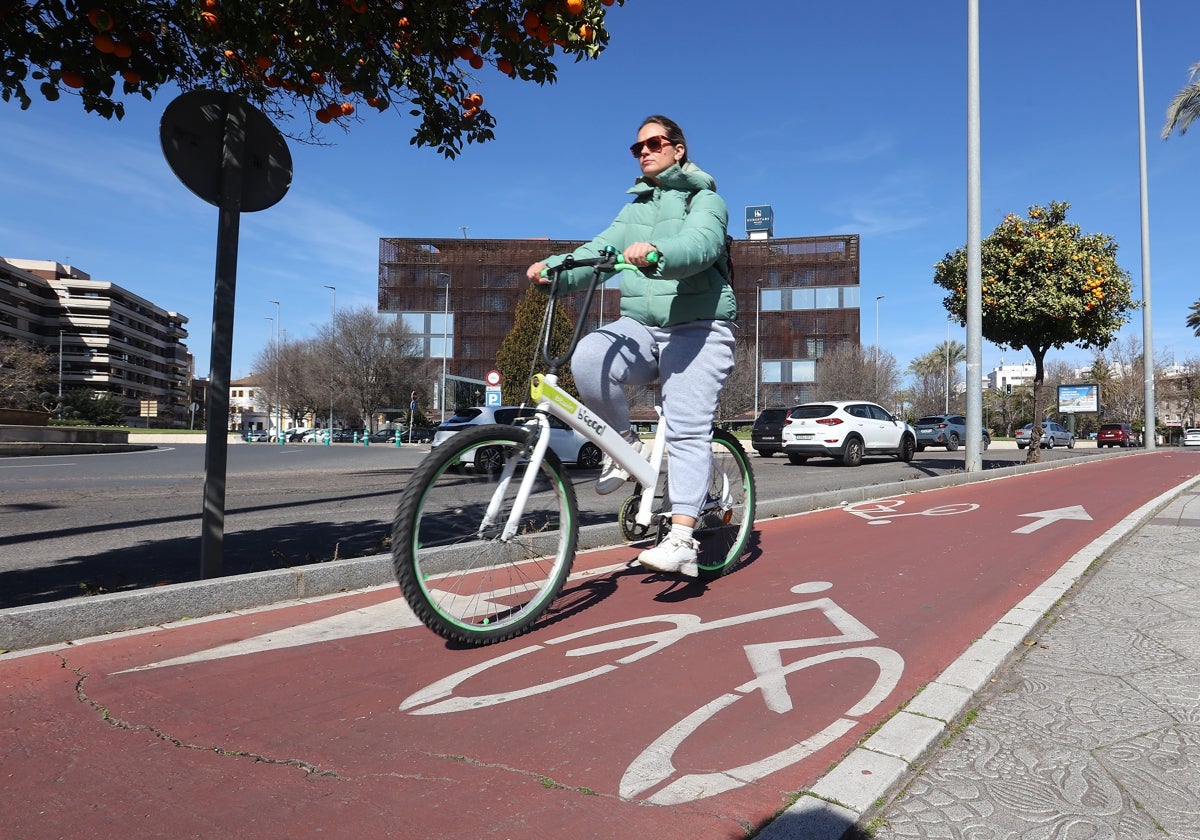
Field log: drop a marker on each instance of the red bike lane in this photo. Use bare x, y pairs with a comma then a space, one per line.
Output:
643, 706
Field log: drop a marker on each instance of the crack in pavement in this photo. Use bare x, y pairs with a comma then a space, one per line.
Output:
106, 715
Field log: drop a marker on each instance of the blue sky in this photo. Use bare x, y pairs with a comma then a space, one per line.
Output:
845, 117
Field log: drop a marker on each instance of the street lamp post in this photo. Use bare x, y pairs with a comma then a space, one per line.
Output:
278, 404
946, 410
271, 402
332, 338
757, 330
445, 343
60, 369
877, 299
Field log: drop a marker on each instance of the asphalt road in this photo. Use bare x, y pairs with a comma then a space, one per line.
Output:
87, 524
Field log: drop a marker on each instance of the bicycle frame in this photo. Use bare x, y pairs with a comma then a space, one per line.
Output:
550, 399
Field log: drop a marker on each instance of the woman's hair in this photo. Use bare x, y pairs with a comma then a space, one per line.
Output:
674, 132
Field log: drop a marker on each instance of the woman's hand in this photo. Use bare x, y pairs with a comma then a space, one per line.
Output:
534, 273
636, 253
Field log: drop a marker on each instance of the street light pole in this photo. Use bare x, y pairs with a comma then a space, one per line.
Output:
332, 338
60, 368
445, 344
757, 330
278, 403
877, 299
946, 410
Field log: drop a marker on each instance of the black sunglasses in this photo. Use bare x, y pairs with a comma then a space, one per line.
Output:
654, 144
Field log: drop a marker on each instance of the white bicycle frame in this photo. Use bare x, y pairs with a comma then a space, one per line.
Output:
551, 399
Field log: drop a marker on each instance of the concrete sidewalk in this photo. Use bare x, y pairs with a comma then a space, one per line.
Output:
1086, 722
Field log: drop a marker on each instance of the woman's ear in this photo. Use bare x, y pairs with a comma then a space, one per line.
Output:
680, 151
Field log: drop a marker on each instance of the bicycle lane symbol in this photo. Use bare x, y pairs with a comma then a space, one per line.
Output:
654, 766
884, 511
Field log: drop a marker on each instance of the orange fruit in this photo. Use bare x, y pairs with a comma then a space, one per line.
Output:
574, 6
100, 19
104, 42
505, 66
347, 108
476, 100
122, 50
476, 61
587, 32
210, 20
263, 62
71, 78
131, 76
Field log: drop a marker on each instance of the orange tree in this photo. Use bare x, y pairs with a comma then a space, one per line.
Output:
1044, 284
327, 60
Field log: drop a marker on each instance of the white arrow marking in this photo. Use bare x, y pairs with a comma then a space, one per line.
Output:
1045, 517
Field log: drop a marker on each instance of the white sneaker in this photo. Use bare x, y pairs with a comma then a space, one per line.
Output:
674, 555
611, 475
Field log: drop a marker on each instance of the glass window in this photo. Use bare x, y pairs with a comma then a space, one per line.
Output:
850, 297
772, 300
772, 371
804, 370
804, 298
828, 297
414, 322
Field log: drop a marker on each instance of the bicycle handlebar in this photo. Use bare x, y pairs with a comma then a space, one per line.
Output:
608, 262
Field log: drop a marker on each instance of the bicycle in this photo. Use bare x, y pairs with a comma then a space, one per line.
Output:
486, 529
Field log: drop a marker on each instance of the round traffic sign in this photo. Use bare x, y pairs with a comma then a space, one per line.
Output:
492, 377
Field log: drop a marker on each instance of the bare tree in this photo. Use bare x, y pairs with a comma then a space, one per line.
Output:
25, 375
375, 361
850, 372
737, 397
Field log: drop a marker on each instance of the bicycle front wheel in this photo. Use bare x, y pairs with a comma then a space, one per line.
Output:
727, 518
458, 571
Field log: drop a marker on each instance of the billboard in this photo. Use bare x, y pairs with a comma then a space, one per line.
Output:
1078, 399
760, 218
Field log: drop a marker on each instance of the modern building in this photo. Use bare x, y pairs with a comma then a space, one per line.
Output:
798, 298
1005, 377
107, 338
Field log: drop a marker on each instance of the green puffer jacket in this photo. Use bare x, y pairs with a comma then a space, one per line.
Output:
688, 281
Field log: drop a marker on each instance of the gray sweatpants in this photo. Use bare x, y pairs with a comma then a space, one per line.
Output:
692, 360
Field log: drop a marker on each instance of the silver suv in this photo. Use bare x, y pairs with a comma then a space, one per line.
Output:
1053, 434
847, 430
948, 430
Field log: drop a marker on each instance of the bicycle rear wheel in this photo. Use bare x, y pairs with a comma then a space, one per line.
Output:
727, 518
460, 577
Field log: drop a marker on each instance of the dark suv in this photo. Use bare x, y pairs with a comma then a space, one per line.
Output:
1117, 434
767, 435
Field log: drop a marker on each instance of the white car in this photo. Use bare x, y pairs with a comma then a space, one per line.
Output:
569, 445
847, 430
1191, 437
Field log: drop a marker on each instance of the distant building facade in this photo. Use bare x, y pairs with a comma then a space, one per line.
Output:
801, 293
109, 340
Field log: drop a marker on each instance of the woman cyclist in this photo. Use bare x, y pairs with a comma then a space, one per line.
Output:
675, 325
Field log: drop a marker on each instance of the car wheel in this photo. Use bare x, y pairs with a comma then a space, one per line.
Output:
987, 441
765, 453
589, 457
907, 448
1049, 443
1020, 446
489, 459
952, 443
852, 455
1070, 443
796, 460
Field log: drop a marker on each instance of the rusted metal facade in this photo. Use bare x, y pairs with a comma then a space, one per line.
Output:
803, 292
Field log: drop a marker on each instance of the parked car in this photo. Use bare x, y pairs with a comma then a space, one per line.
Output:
1053, 434
845, 429
255, 435
314, 436
569, 445
1117, 434
347, 435
1191, 437
948, 430
767, 434
296, 435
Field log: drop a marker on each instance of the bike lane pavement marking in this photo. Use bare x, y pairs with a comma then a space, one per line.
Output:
337, 702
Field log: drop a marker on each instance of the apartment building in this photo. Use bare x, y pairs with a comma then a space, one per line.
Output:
108, 339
